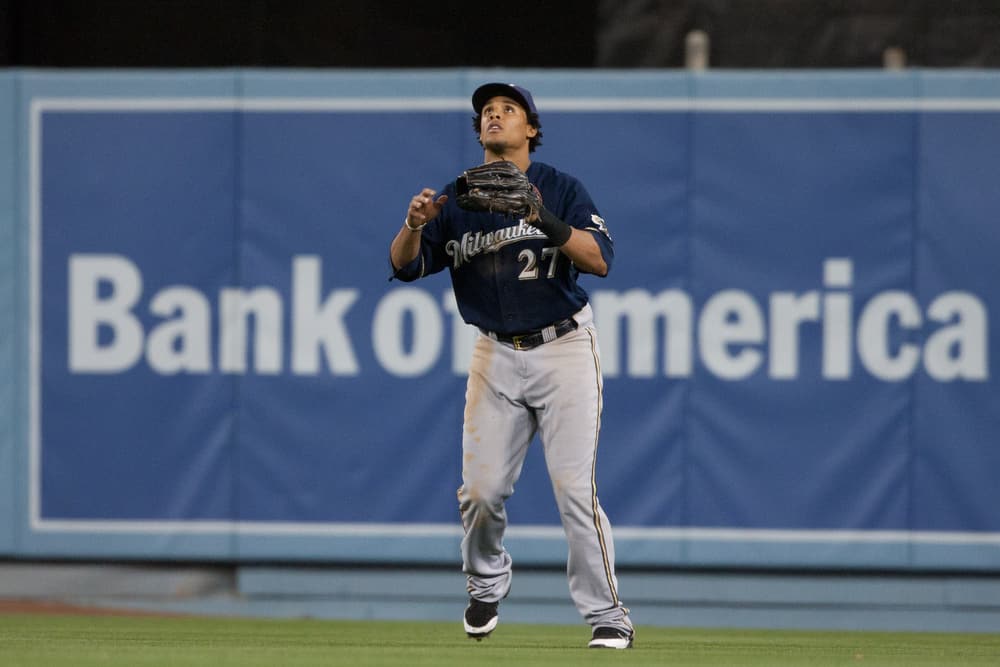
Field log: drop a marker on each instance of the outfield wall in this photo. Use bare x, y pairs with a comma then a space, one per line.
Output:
202, 357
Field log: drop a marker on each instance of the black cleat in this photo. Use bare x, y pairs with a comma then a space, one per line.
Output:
605, 637
480, 618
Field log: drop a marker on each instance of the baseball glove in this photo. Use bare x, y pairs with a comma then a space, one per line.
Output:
498, 187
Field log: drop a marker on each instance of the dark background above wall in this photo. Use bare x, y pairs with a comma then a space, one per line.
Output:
581, 34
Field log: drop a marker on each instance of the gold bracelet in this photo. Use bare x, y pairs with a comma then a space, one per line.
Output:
406, 222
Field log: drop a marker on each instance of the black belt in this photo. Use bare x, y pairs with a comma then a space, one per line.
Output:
530, 339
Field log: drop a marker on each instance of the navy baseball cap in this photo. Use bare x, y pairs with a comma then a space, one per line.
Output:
490, 90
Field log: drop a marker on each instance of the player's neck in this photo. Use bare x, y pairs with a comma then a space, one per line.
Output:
520, 158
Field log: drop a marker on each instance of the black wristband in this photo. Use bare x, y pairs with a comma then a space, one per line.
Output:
550, 225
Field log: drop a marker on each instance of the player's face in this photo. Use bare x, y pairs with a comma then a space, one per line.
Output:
503, 125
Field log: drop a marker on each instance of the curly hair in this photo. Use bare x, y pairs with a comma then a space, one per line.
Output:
533, 120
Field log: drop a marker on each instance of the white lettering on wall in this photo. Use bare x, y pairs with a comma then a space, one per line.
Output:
639, 311
237, 308
888, 313
730, 336
180, 344
426, 327
90, 311
320, 325
729, 330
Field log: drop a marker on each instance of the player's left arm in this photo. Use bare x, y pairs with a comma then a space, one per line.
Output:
583, 249
582, 235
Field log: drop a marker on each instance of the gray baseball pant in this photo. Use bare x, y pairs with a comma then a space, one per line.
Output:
555, 390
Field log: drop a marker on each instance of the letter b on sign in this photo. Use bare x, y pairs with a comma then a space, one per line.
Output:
89, 312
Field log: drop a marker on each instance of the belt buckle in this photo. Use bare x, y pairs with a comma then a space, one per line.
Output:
517, 341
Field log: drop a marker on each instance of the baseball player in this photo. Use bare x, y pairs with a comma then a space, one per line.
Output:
535, 365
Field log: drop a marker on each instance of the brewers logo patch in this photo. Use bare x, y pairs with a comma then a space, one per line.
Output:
599, 224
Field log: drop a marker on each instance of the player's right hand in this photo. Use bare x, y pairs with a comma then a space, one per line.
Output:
424, 208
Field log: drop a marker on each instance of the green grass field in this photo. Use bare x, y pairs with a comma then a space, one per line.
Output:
109, 641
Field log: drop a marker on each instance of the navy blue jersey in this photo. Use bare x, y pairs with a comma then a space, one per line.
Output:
507, 276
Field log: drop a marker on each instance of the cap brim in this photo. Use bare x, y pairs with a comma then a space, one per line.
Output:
488, 91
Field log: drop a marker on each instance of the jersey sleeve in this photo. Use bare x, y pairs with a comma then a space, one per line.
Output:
582, 213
